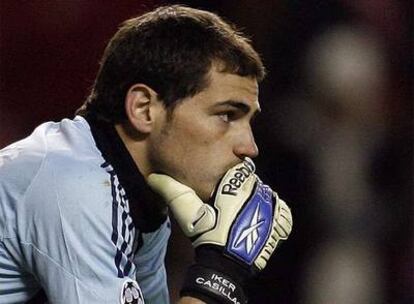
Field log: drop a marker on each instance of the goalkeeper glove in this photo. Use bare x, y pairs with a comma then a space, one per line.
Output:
234, 235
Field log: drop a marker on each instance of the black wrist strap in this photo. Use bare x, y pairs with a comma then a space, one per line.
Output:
212, 286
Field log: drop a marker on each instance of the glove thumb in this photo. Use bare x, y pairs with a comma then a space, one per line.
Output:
192, 214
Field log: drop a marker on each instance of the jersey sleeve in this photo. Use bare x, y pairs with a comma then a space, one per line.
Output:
150, 267
76, 235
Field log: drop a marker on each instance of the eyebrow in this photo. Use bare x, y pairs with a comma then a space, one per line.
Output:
242, 106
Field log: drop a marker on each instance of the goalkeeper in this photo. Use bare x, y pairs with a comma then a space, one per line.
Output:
83, 202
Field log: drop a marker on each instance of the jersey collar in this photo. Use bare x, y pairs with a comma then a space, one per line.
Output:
147, 208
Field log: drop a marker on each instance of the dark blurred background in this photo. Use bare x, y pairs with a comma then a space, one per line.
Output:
335, 136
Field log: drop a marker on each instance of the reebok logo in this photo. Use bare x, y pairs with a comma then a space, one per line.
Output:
250, 234
235, 181
252, 227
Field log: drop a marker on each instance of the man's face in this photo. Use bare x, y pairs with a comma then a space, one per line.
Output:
208, 133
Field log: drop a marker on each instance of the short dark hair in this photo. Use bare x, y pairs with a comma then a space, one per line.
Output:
171, 49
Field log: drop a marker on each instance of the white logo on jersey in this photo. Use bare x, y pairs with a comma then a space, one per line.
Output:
131, 293
251, 234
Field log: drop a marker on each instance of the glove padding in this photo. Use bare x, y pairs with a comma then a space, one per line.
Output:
245, 217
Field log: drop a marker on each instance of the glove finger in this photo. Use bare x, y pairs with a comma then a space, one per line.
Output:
284, 211
283, 219
283, 227
193, 216
281, 231
167, 187
286, 219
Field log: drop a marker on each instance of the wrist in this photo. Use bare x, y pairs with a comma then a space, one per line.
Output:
213, 257
212, 286
216, 277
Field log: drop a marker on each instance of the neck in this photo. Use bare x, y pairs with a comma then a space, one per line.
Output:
136, 147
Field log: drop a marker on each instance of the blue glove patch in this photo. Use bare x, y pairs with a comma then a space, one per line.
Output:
252, 227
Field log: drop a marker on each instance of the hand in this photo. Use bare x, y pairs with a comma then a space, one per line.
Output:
234, 235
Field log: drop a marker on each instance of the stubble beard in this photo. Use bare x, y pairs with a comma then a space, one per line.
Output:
166, 161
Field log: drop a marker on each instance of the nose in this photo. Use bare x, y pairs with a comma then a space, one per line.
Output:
246, 145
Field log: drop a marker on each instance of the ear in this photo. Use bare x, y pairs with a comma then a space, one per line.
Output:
140, 104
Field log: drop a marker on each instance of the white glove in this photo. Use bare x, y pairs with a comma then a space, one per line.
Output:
234, 235
246, 217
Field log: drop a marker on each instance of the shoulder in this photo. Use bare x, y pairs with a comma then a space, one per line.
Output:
72, 180
58, 164
67, 140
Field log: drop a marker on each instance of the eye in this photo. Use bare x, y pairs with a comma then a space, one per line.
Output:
229, 116
224, 117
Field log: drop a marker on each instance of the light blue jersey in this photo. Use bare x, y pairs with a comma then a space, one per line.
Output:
66, 224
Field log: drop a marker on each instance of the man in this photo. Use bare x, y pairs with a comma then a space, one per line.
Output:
171, 108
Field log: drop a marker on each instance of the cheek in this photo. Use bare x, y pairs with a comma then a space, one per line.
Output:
193, 150
177, 151
203, 146
183, 153
195, 134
